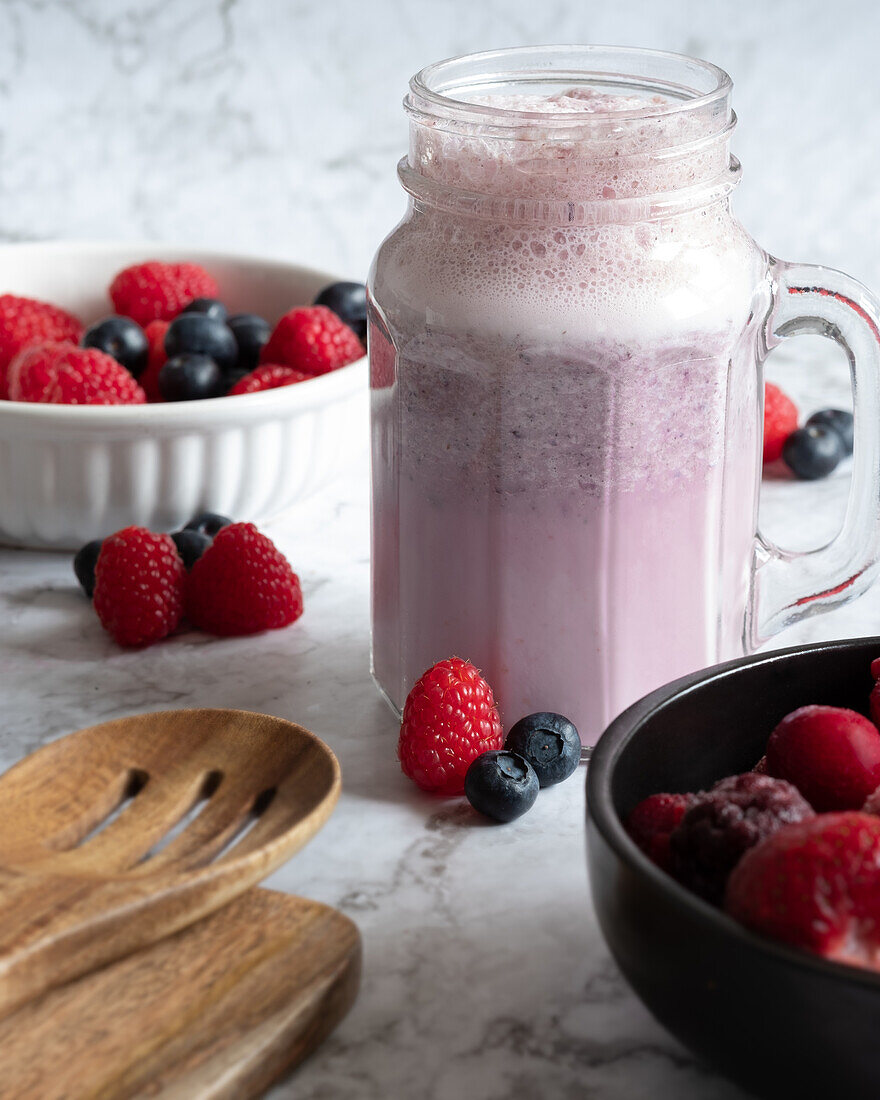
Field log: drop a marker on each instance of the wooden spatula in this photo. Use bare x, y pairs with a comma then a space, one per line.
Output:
219, 1010
118, 835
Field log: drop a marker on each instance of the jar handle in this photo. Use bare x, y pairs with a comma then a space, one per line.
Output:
788, 586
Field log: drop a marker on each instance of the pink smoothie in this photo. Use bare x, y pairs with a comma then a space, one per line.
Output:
565, 447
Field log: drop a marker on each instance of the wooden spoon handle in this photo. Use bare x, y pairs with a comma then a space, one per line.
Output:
54, 928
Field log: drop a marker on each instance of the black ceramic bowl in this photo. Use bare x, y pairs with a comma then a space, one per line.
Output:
780, 1022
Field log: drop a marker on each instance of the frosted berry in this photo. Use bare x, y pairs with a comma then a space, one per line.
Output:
651, 823
449, 719
723, 823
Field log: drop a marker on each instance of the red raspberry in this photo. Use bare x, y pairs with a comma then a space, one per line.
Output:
62, 374
449, 719
780, 420
157, 291
268, 377
25, 322
815, 884
312, 339
651, 822
156, 359
139, 586
832, 756
242, 584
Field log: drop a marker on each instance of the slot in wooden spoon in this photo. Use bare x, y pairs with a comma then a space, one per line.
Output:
116, 836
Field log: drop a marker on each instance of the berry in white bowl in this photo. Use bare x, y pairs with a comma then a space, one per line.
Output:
71, 473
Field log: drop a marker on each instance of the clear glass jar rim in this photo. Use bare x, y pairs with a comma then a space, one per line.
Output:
425, 98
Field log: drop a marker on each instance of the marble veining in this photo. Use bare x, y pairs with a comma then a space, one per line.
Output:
275, 127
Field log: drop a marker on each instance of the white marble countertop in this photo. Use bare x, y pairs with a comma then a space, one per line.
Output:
485, 975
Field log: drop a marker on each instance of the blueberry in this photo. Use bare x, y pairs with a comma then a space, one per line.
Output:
812, 452
208, 523
349, 302
251, 333
190, 378
199, 334
84, 565
210, 307
549, 742
122, 338
501, 784
840, 421
190, 545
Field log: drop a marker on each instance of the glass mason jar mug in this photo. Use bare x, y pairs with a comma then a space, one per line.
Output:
566, 337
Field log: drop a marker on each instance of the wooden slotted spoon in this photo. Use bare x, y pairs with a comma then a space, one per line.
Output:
116, 836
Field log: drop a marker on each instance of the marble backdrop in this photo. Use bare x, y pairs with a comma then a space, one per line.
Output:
275, 125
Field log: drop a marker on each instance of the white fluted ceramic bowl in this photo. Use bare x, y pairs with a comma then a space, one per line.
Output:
69, 473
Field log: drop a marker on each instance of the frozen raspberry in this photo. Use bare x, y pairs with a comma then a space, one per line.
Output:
723, 823
242, 584
780, 420
25, 322
156, 359
832, 755
816, 885
312, 339
449, 719
652, 821
157, 291
139, 586
268, 377
62, 374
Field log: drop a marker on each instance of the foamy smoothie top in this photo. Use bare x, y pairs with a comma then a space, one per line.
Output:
617, 146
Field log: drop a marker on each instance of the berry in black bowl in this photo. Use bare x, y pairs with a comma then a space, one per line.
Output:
199, 334
208, 523
840, 421
191, 545
550, 743
210, 307
349, 302
84, 565
122, 338
501, 784
191, 377
251, 332
812, 452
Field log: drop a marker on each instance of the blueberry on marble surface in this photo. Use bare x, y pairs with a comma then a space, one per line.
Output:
191, 377
501, 784
812, 452
840, 421
349, 302
199, 334
84, 563
550, 743
122, 338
